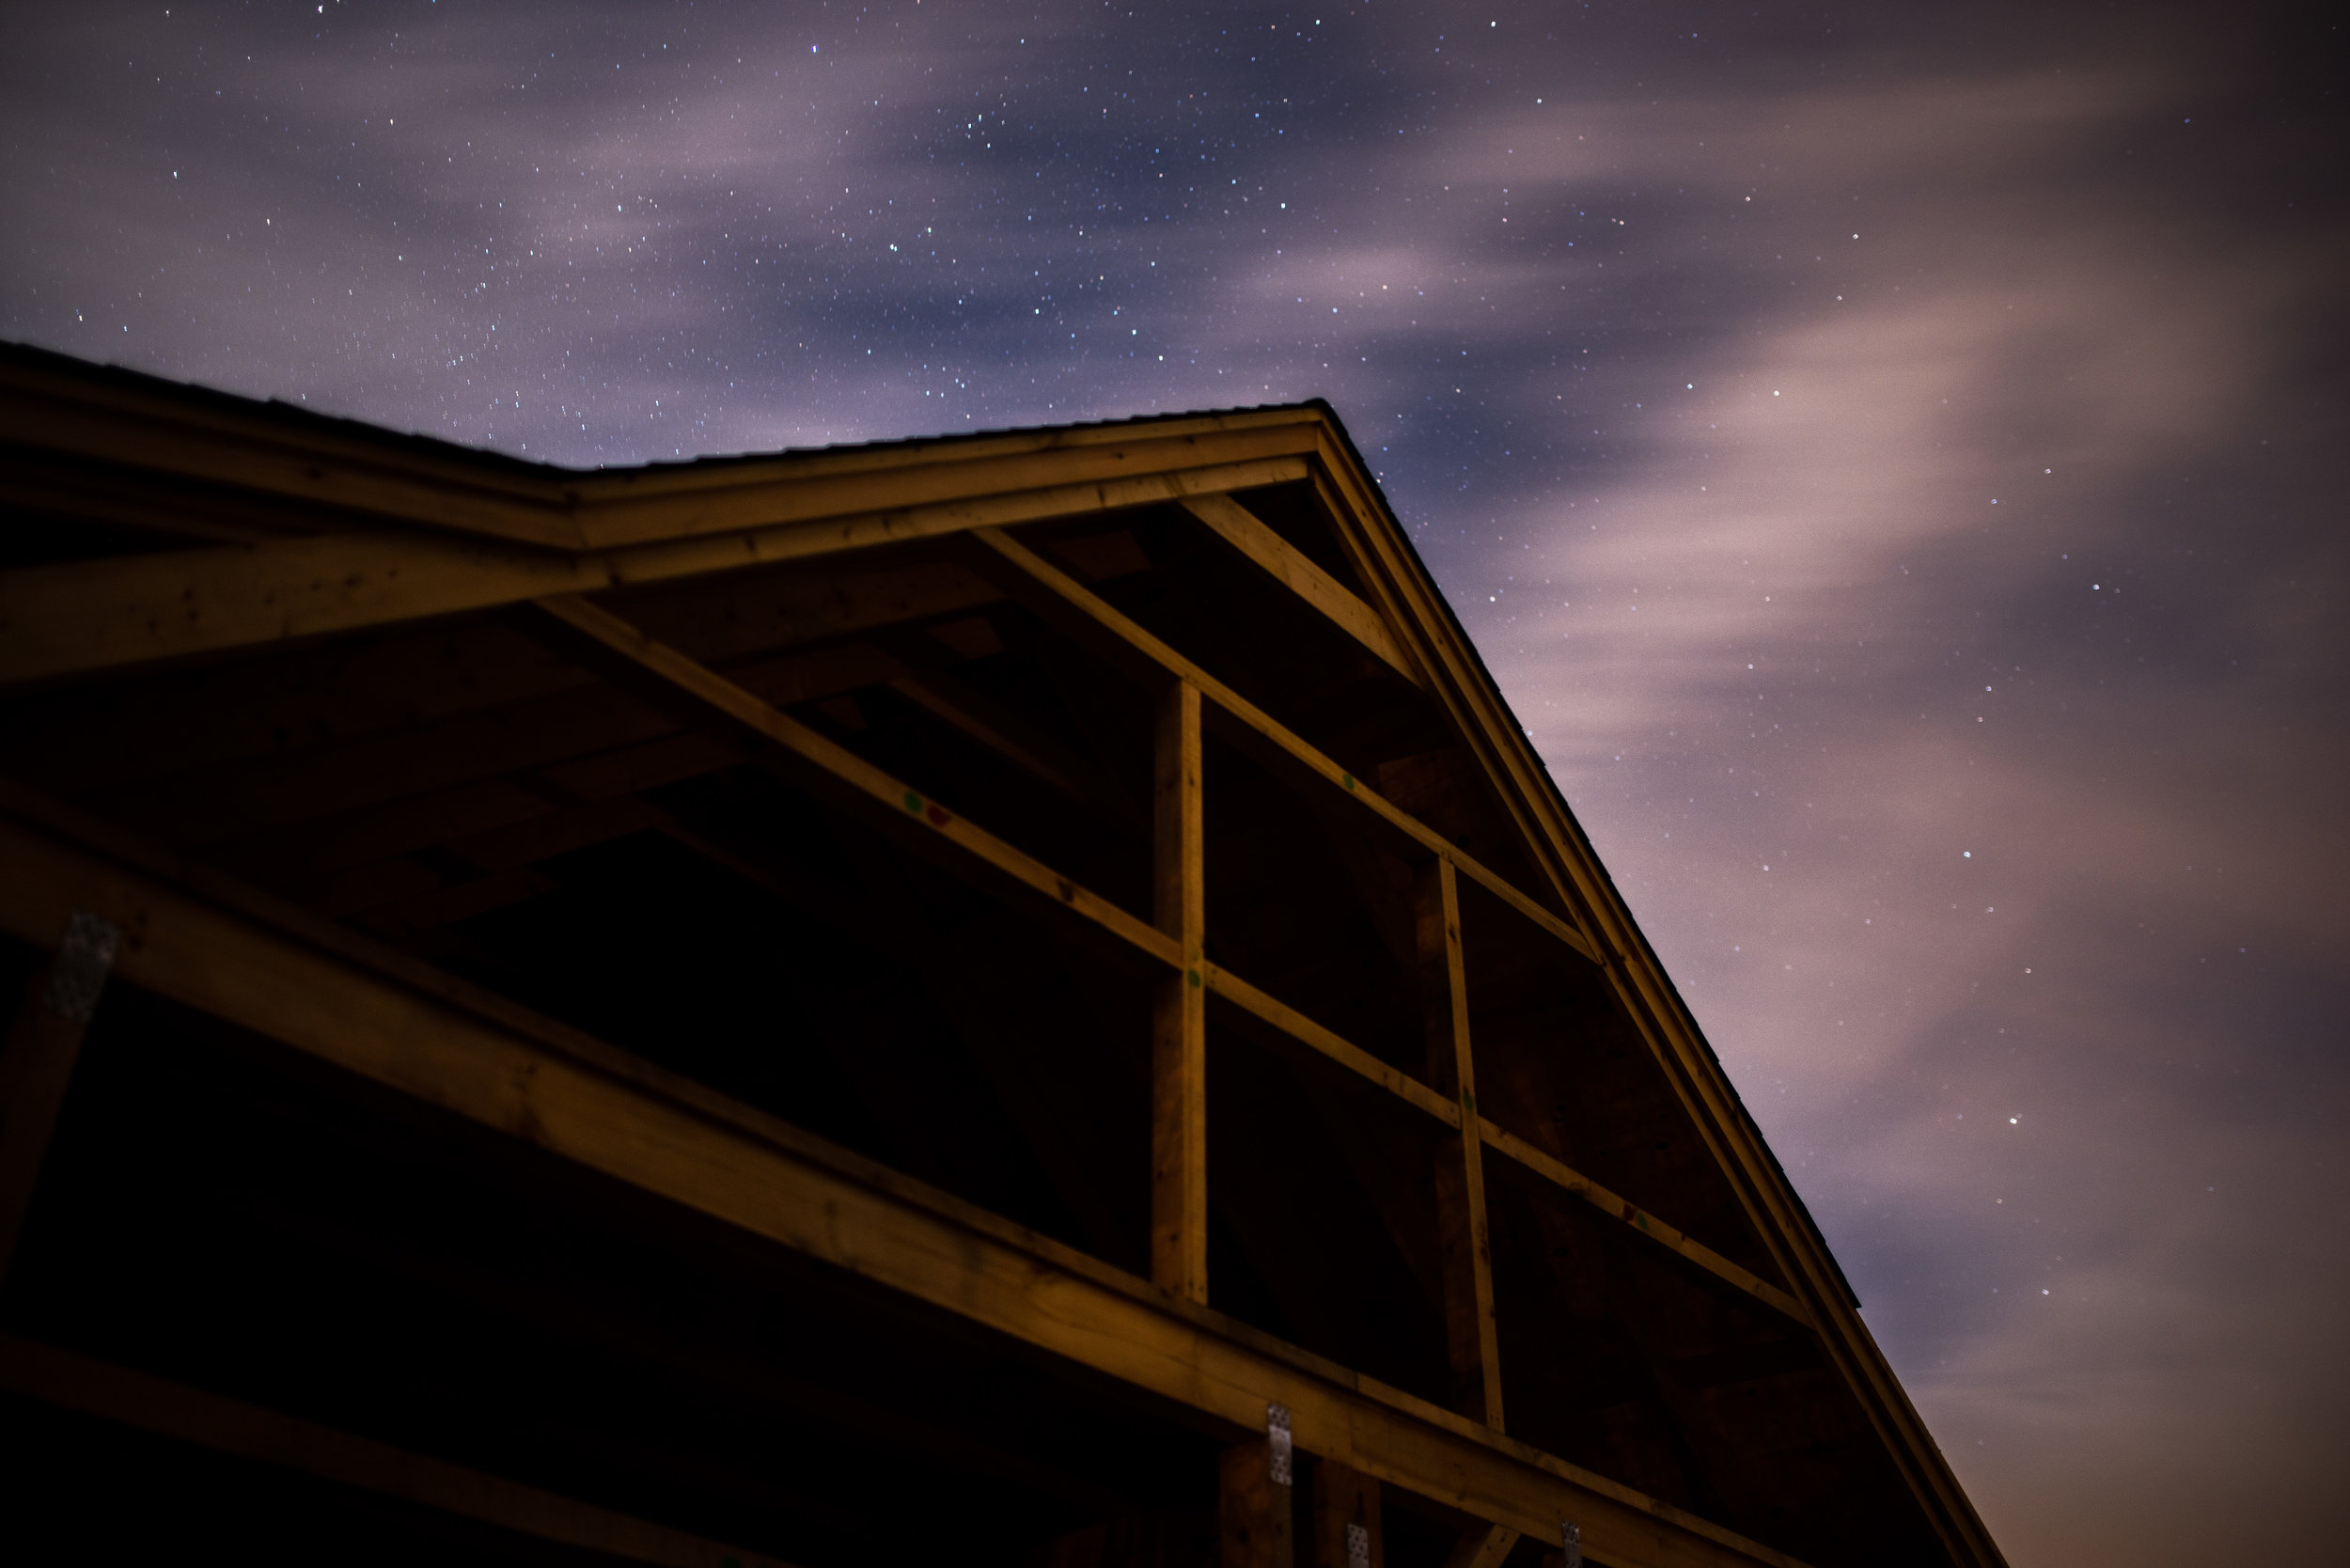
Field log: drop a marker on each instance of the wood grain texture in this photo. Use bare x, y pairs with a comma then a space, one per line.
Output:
1179, 1019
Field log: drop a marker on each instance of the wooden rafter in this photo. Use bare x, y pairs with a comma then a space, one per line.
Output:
1296, 571
85, 615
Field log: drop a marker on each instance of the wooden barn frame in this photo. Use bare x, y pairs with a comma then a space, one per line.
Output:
1015, 998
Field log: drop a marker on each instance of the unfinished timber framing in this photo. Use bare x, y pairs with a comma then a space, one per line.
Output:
1171, 699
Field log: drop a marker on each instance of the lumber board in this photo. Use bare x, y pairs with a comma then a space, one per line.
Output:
1295, 571
1179, 1008
1329, 1044
1558, 1177
139, 1400
1464, 1238
1343, 1496
589, 1104
746, 720
1253, 1516
1484, 1547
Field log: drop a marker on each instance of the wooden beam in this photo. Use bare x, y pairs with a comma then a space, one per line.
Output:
168, 1409
1484, 1547
492, 1063
1253, 1511
1331, 1046
83, 616
744, 719
37, 1061
1179, 1023
1241, 529
1347, 1532
1463, 1238
346, 469
1556, 1177
1095, 619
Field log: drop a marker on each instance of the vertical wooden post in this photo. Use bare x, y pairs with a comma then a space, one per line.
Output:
1345, 1501
1482, 1547
1178, 1042
37, 1061
1460, 1178
1252, 1510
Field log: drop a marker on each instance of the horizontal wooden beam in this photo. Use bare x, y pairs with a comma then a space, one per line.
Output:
1241, 529
1328, 1045
589, 1104
1108, 620
153, 1404
1559, 1178
77, 617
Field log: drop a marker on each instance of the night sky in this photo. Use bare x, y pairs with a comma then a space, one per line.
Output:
1887, 454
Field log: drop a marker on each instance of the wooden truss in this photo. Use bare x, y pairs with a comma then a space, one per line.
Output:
292, 538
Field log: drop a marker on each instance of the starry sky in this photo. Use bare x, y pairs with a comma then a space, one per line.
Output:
1885, 454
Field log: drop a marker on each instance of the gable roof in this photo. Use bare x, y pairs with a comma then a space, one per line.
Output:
166, 538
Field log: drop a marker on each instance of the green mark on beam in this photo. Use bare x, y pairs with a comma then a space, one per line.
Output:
1194, 978
1347, 779
913, 803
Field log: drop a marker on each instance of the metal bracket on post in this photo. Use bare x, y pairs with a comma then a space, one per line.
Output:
1277, 1431
78, 973
1570, 1544
1358, 1546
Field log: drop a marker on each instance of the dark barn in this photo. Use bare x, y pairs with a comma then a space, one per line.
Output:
1007, 999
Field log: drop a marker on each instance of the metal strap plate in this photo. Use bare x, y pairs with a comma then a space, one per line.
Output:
1277, 1431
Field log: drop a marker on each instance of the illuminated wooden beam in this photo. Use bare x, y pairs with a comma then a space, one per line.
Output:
1096, 620
1484, 1546
1179, 1014
76, 617
582, 1101
168, 1409
742, 718
344, 472
1555, 1178
1464, 1241
1297, 571
1345, 1501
